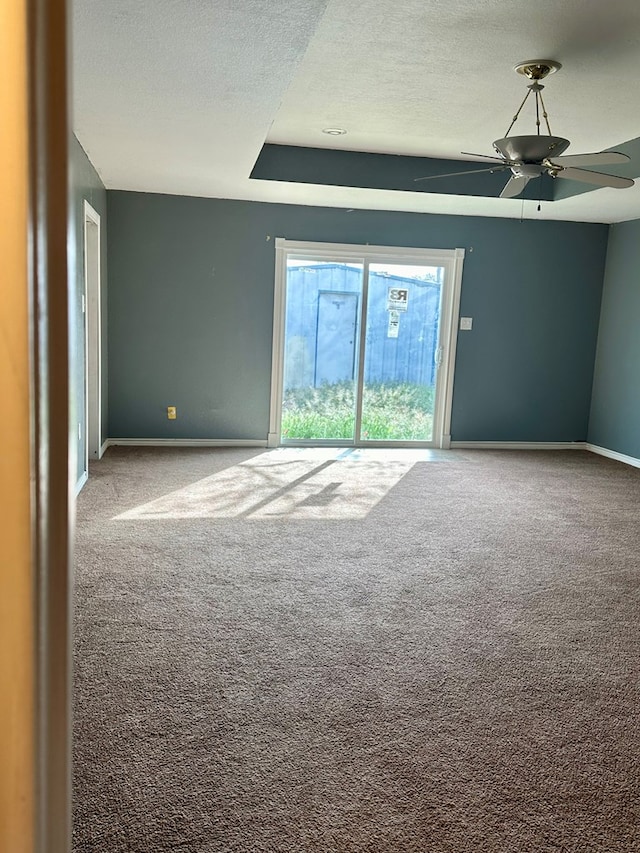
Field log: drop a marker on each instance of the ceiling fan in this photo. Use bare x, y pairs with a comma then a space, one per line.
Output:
529, 157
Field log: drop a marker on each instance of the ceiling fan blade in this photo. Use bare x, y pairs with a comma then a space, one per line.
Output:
484, 156
604, 158
596, 178
463, 172
514, 186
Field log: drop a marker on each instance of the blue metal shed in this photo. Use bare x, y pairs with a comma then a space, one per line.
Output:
322, 327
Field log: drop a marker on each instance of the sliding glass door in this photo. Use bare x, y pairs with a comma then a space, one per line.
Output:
401, 352
362, 343
321, 349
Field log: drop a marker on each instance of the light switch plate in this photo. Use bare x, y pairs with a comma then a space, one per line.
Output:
466, 324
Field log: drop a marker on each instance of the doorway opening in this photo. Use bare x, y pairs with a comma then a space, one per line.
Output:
91, 428
364, 344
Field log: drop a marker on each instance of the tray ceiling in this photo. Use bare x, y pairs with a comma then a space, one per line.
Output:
180, 97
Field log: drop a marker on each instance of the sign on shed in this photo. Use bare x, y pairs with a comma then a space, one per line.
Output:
397, 299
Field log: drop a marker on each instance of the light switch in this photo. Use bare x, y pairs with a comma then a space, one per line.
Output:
466, 324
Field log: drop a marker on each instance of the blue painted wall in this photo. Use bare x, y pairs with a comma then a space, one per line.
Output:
85, 184
525, 371
191, 305
615, 407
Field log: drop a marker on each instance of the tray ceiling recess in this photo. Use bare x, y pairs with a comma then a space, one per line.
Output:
525, 157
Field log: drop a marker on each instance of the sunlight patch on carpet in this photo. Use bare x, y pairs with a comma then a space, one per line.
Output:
291, 483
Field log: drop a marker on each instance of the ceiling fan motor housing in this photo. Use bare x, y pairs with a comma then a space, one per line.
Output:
530, 149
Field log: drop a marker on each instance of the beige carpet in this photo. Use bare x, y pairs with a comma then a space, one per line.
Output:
345, 652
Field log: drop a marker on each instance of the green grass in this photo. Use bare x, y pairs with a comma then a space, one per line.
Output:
392, 411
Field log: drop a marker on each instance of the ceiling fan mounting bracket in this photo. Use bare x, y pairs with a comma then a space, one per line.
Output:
537, 69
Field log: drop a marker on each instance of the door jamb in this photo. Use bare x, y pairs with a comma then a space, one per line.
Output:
93, 342
54, 438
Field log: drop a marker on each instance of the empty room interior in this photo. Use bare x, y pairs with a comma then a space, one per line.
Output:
355, 389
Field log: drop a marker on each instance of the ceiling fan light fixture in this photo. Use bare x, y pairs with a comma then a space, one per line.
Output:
531, 149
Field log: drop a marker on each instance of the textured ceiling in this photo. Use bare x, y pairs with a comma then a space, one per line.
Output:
179, 96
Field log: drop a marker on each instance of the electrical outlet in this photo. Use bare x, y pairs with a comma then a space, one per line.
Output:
466, 324
172, 413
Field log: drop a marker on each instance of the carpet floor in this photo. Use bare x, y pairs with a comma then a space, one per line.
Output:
357, 652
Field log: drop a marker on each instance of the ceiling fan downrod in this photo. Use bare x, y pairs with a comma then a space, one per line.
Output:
535, 70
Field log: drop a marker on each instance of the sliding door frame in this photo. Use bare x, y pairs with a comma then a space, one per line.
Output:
450, 259
362, 346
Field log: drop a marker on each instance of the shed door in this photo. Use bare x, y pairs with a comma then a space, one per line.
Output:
336, 337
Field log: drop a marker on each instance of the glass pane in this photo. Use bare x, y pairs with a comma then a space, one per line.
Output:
321, 349
400, 370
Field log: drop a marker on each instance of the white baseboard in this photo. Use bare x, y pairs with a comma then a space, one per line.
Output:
613, 454
103, 447
518, 445
184, 442
454, 445
83, 479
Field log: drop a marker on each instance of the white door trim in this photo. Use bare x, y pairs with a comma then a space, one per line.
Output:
451, 259
277, 349
452, 311
93, 337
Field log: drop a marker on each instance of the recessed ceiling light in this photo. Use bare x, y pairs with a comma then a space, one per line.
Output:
334, 131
